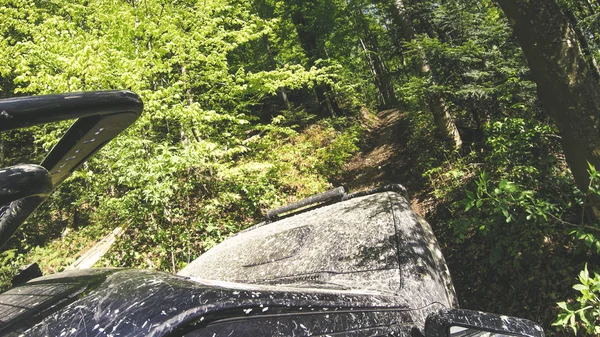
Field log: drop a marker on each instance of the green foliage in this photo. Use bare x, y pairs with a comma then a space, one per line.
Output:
206, 158
341, 148
232, 127
10, 261
529, 145
585, 312
501, 208
506, 198
507, 201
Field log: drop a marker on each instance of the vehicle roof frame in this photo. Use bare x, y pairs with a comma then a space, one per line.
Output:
101, 116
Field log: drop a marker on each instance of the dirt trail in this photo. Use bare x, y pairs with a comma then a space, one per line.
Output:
384, 157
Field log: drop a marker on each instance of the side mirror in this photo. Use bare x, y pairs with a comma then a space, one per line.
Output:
460, 322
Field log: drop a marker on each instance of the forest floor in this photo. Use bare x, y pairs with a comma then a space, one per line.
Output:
385, 159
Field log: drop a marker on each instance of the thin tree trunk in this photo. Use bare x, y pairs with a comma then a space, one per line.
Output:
583, 43
384, 79
281, 91
382, 98
443, 119
566, 85
284, 97
387, 80
441, 115
381, 76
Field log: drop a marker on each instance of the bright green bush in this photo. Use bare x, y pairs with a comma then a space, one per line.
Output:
10, 261
202, 161
583, 314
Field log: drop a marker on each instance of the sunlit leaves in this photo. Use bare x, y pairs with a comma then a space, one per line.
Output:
585, 312
193, 168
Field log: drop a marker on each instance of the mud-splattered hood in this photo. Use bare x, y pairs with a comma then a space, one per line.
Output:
373, 242
116, 302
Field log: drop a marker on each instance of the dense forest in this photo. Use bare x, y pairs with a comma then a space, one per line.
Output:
253, 104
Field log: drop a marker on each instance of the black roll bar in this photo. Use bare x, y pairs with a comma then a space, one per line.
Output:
100, 115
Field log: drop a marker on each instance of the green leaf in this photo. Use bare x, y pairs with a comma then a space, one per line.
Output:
479, 203
470, 194
592, 170
502, 184
511, 187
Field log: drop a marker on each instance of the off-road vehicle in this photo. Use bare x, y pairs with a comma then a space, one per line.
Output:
336, 264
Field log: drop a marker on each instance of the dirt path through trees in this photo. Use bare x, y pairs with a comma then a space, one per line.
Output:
384, 157
390, 155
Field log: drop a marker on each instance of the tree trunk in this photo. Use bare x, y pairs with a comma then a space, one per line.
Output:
308, 40
566, 84
273, 65
443, 120
381, 78
441, 115
401, 15
285, 98
381, 75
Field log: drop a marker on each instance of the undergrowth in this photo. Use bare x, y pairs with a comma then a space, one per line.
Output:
172, 217
511, 221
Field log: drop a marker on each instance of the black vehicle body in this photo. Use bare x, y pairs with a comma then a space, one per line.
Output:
335, 264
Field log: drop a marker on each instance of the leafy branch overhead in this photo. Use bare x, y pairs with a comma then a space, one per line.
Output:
487, 111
